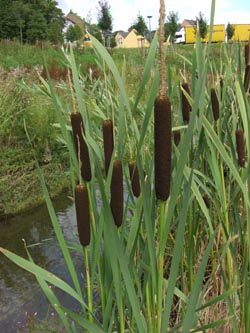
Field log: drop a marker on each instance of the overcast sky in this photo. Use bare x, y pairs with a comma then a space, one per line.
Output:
124, 12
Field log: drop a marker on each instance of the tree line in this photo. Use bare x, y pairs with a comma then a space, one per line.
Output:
33, 20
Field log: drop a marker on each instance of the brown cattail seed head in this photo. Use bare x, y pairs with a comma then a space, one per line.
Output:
134, 178
186, 107
163, 146
215, 104
177, 137
240, 147
247, 78
247, 51
116, 202
206, 200
82, 214
80, 144
108, 141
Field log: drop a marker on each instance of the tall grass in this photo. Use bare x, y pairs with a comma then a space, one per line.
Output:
177, 265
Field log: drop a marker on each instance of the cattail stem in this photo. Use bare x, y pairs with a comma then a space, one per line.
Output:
240, 147
88, 282
116, 202
134, 178
80, 144
186, 107
108, 141
215, 104
163, 146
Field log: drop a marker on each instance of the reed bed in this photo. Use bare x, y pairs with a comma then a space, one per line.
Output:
169, 260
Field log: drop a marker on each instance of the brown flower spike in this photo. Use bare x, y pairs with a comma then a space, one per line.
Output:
80, 144
163, 146
215, 104
134, 178
116, 189
82, 214
108, 141
240, 147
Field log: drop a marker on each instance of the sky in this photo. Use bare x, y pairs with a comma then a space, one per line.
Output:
124, 12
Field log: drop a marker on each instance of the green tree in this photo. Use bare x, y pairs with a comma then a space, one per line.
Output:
140, 25
171, 25
230, 31
73, 33
104, 16
37, 28
94, 30
202, 24
29, 20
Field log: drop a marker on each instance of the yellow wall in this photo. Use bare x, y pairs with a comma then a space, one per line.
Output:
241, 32
217, 36
190, 34
219, 33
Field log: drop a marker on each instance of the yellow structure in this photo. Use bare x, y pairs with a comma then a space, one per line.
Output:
218, 34
130, 40
241, 32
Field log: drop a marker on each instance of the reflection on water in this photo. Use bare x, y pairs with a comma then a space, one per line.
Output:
19, 291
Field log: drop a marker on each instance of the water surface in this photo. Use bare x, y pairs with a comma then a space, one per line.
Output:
20, 293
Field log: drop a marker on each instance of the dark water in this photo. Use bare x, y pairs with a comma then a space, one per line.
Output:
20, 294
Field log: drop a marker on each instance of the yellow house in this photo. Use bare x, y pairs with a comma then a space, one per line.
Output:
130, 39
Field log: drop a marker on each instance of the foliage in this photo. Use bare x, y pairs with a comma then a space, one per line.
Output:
29, 21
104, 16
230, 31
202, 24
73, 33
172, 25
94, 30
140, 25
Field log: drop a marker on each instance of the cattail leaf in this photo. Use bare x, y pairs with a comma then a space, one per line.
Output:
163, 146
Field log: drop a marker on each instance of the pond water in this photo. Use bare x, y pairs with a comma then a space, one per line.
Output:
20, 293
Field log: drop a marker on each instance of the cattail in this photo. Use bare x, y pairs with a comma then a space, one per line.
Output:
163, 146
108, 141
240, 147
247, 51
82, 214
215, 104
186, 107
80, 145
134, 178
177, 137
221, 86
206, 200
247, 78
116, 202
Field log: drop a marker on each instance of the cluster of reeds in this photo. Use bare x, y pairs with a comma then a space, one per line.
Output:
169, 224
